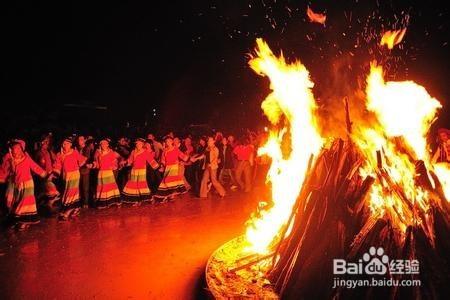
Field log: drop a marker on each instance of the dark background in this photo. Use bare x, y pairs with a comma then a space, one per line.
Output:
93, 66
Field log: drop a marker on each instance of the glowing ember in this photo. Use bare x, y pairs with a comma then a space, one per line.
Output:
405, 112
316, 17
291, 99
392, 38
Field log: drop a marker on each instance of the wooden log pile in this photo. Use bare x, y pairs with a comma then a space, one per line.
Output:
331, 219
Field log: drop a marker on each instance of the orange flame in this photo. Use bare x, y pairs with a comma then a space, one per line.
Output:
403, 109
292, 99
315, 17
392, 38
405, 112
442, 171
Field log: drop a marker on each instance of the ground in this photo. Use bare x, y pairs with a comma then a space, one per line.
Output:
152, 251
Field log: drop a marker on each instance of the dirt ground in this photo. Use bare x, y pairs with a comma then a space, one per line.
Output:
151, 251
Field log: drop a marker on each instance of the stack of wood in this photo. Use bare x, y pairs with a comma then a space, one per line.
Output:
331, 219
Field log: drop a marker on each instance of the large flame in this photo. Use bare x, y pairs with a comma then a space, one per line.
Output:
393, 146
405, 112
392, 38
292, 100
403, 109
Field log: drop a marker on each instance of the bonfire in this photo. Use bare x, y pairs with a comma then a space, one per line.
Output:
374, 192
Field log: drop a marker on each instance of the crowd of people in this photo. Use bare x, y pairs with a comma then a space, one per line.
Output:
61, 178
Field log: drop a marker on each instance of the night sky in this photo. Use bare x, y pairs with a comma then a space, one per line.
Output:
188, 59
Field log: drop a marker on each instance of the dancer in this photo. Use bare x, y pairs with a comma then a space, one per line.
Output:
136, 190
68, 163
106, 161
16, 169
172, 183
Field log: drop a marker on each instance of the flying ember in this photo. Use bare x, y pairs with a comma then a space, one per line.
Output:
316, 17
392, 38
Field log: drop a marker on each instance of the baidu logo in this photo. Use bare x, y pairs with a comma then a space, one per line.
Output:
375, 262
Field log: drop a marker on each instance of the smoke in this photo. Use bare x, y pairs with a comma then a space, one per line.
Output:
344, 79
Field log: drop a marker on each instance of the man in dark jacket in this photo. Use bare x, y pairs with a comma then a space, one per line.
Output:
226, 162
124, 150
87, 150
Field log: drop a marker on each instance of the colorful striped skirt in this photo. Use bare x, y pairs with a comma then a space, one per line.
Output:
136, 189
71, 196
21, 202
107, 191
172, 183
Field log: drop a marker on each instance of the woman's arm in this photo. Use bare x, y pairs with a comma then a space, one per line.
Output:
182, 156
5, 168
150, 158
57, 166
36, 169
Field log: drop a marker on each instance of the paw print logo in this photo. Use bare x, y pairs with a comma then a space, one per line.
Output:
376, 261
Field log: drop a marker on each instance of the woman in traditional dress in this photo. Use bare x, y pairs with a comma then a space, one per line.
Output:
172, 183
68, 163
106, 161
16, 168
136, 190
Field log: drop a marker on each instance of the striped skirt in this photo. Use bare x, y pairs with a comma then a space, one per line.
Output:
71, 196
136, 189
172, 183
107, 191
21, 202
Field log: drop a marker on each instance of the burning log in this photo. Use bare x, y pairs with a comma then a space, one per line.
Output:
325, 211
304, 265
332, 205
251, 263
